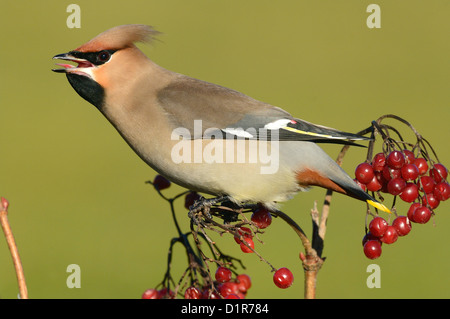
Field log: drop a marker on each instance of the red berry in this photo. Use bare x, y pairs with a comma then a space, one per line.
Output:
410, 193
223, 274
422, 165
378, 162
165, 294
192, 293
262, 218
396, 185
244, 282
160, 182
426, 184
378, 226
244, 247
232, 296
283, 278
374, 185
390, 235
207, 295
150, 294
411, 210
228, 288
368, 237
372, 249
421, 215
409, 156
439, 173
364, 173
190, 199
402, 225
390, 173
430, 200
410, 172
395, 159
442, 191
243, 231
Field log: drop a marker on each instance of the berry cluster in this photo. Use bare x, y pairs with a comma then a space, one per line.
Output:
261, 218
224, 287
222, 284
414, 180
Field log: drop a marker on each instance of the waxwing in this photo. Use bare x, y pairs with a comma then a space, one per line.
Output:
200, 135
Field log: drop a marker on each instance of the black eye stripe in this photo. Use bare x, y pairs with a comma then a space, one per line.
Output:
93, 57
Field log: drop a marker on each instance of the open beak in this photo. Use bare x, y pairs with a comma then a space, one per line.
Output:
83, 67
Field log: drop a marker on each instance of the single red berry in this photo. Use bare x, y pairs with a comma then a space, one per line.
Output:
426, 184
160, 182
390, 173
411, 210
228, 288
232, 296
369, 236
430, 200
421, 215
372, 249
223, 274
409, 156
207, 295
283, 278
364, 173
383, 181
244, 282
410, 172
410, 193
250, 243
243, 231
422, 165
374, 185
150, 294
390, 235
378, 226
396, 185
402, 225
190, 199
165, 293
378, 162
262, 218
192, 293
395, 159
442, 191
439, 173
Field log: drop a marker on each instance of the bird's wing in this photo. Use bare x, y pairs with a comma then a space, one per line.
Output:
225, 112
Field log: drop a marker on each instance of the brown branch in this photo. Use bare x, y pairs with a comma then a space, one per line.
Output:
13, 248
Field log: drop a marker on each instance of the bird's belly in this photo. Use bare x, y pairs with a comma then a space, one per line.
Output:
246, 170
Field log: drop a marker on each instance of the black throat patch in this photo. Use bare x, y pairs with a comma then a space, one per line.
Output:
88, 89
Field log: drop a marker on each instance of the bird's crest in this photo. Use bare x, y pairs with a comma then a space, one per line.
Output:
119, 37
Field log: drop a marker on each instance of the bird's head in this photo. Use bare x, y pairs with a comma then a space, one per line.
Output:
104, 59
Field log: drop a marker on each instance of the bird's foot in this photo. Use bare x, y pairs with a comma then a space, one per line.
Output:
204, 204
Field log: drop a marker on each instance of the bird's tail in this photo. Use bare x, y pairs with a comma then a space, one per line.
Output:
358, 193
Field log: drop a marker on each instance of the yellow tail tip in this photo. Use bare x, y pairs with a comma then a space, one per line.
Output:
379, 206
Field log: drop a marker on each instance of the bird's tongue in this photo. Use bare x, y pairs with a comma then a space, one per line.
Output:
66, 66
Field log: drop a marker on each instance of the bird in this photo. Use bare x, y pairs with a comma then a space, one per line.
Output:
200, 135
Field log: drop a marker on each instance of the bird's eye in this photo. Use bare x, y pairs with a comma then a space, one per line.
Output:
103, 56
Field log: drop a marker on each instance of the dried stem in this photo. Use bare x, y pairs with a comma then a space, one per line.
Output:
13, 248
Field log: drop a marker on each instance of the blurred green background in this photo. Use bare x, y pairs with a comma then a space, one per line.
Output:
77, 191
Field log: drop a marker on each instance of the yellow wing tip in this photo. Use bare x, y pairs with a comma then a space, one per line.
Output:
379, 206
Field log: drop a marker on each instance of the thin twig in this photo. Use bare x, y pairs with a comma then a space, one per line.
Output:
13, 248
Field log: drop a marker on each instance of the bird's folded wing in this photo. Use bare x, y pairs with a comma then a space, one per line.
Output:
206, 109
